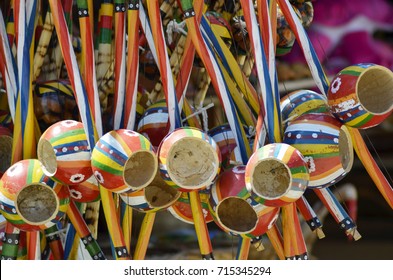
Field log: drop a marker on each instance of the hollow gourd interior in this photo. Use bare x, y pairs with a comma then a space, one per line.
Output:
47, 157
159, 194
236, 215
37, 204
271, 178
192, 163
140, 169
375, 89
345, 149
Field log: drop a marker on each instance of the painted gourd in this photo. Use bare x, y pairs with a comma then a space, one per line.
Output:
64, 152
124, 160
233, 208
276, 175
361, 95
157, 196
326, 146
29, 199
189, 159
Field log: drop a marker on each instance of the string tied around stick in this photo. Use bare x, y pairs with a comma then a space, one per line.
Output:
59, 232
203, 111
173, 26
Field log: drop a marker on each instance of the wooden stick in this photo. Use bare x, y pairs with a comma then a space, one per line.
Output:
201, 230
144, 236
164, 65
104, 49
24, 133
338, 212
83, 231
33, 245
120, 63
234, 71
270, 112
10, 246
310, 216
126, 223
243, 248
289, 233
114, 227
217, 80
53, 238
301, 251
276, 239
132, 66
89, 71
371, 166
